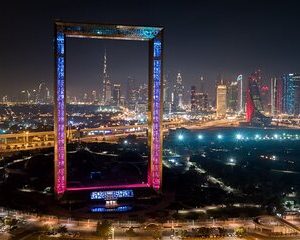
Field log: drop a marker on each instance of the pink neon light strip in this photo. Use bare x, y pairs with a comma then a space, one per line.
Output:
125, 186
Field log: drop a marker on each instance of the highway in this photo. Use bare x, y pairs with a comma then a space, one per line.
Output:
36, 140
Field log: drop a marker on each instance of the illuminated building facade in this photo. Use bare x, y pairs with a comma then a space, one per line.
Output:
154, 35
193, 98
106, 85
279, 96
276, 96
94, 96
199, 100
221, 100
232, 97
178, 93
291, 93
131, 93
254, 107
116, 95
43, 94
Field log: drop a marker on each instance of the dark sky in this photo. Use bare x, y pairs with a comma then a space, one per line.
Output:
201, 38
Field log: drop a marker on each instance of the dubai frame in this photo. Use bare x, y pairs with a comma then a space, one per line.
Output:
154, 37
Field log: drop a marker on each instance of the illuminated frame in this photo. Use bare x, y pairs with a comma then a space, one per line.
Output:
154, 36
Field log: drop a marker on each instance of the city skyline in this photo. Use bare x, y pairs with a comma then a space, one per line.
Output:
223, 39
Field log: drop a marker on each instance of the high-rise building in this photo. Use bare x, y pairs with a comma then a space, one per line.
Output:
43, 94
167, 95
94, 96
122, 101
193, 99
24, 96
232, 97
221, 100
143, 93
291, 93
108, 92
240, 81
199, 100
178, 93
106, 85
165, 90
265, 97
85, 97
202, 90
132, 92
34, 96
5, 99
116, 96
276, 96
254, 107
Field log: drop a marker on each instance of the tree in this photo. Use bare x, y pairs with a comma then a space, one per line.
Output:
103, 229
240, 231
156, 234
130, 232
62, 229
10, 221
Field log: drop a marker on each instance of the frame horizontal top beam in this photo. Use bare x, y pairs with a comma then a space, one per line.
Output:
104, 31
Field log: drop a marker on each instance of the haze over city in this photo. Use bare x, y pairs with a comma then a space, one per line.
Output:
205, 38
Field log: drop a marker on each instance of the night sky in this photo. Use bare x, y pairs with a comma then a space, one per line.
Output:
201, 38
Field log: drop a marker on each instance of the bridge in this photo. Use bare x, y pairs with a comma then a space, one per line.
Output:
272, 225
32, 140
26, 140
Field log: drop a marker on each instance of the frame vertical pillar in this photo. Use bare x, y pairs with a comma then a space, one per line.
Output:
60, 114
155, 115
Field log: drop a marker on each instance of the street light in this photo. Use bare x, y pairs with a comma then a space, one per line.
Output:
239, 136
180, 137
219, 136
200, 136
113, 233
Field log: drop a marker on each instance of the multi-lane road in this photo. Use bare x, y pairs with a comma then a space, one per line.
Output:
35, 140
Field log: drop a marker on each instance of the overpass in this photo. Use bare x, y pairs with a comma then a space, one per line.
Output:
26, 140
272, 225
32, 140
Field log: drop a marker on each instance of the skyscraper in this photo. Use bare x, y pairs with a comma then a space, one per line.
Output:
178, 93
106, 85
291, 93
202, 84
165, 90
132, 93
274, 88
221, 100
239, 79
143, 93
278, 95
167, 94
43, 95
199, 100
232, 97
116, 96
94, 96
193, 98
